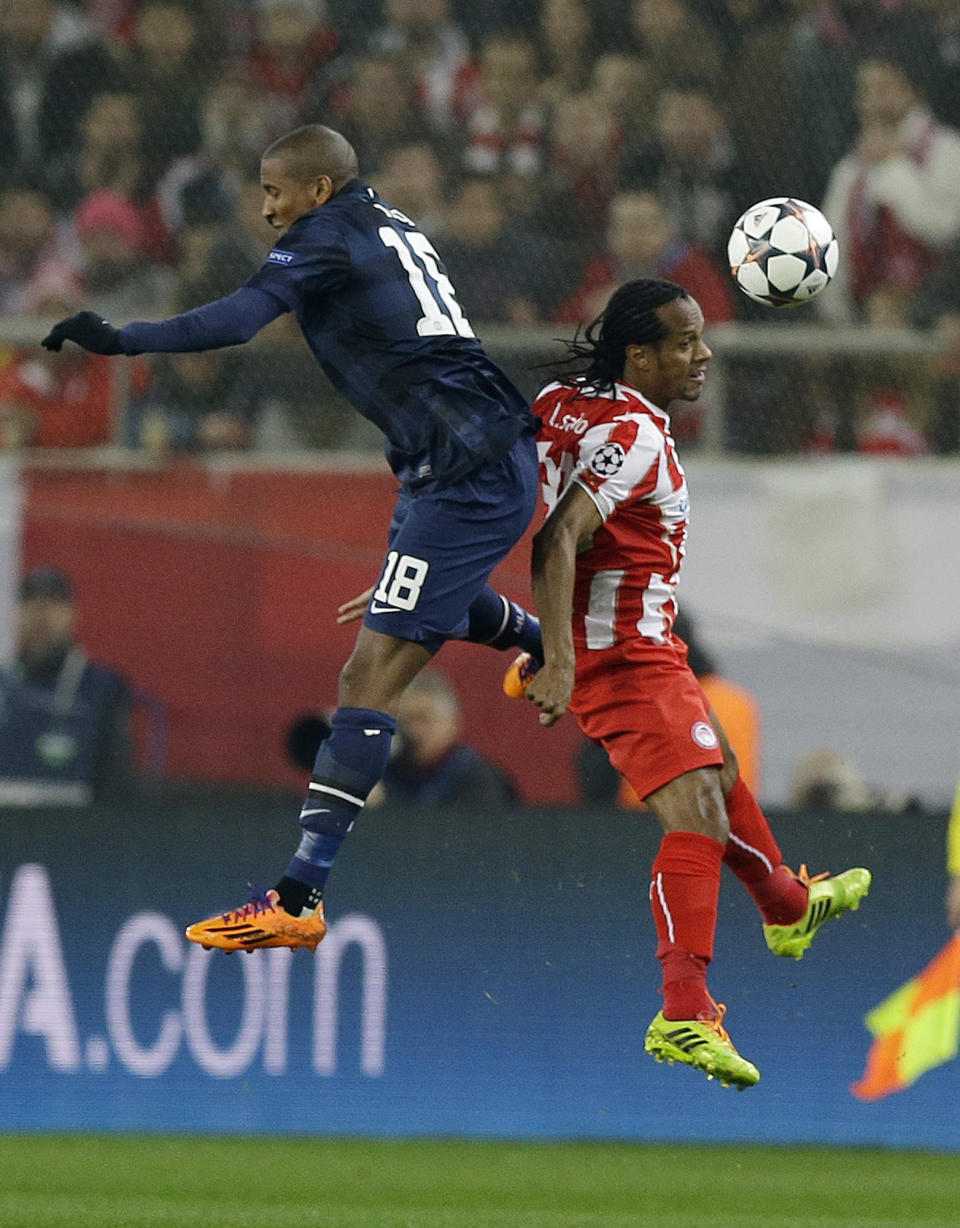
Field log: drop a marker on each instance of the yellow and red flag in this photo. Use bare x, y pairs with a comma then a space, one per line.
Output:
915, 1029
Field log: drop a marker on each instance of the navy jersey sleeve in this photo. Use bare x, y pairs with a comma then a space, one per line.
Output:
314, 262
227, 321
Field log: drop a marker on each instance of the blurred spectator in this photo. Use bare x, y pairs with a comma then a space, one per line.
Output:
237, 123
292, 44
55, 400
432, 766
894, 201
643, 241
377, 115
569, 47
505, 129
824, 779
424, 37
51, 65
196, 402
937, 308
819, 76
411, 179
170, 68
31, 250
65, 400
213, 259
622, 84
109, 153
502, 273
585, 154
756, 37
112, 239
682, 51
697, 172
64, 721
944, 15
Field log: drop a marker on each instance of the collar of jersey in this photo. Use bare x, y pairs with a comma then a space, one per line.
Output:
626, 393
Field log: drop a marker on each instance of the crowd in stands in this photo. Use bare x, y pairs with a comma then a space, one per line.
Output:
550, 149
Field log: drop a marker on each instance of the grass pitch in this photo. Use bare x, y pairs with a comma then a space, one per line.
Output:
163, 1182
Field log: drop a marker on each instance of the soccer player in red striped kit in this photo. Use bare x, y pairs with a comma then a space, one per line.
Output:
609, 554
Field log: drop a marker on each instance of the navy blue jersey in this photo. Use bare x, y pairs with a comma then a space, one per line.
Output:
380, 314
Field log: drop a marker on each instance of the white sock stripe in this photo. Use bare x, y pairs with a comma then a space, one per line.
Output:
750, 849
503, 621
663, 904
347, 797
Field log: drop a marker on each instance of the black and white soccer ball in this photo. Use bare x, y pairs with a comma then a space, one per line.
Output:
782, 252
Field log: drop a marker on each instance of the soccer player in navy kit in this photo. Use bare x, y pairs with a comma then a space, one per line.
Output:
381, 316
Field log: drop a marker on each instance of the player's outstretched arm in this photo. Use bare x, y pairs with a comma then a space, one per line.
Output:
574, 519
227, 321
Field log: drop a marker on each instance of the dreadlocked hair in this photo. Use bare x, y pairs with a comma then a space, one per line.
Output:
630, 318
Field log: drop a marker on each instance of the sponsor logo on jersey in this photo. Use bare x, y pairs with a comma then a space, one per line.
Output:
280, 257
704, 734
608, 459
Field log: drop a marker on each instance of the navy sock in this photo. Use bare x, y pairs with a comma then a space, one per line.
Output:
501, 623
348, 764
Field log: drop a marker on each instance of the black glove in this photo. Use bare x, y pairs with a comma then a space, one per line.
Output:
88, 330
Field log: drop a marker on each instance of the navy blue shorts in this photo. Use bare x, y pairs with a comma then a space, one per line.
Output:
443, 546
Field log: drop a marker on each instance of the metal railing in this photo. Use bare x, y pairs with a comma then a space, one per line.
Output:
523, 350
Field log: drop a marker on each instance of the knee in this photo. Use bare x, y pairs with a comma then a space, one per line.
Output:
693, 802
352, 674
713, 814
710, 808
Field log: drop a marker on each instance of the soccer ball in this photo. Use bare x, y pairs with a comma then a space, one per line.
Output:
782, 252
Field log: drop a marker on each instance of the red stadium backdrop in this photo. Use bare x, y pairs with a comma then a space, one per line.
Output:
217, 593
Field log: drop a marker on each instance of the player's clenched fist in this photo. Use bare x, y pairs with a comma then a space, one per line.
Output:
88, 330
550, 690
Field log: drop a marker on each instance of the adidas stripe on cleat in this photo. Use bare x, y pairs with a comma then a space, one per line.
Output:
259, 923
703, 1044
829, 897
519, 676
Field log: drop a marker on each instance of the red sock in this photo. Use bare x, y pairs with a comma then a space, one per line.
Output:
685, 884
753, 855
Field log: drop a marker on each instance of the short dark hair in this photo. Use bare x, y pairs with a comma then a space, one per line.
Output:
629, 318
46, 582
314, 149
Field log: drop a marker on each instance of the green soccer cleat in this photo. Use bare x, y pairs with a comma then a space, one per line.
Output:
703, 1044
829, 897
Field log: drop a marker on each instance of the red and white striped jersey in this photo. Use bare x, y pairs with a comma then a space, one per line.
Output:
617, 447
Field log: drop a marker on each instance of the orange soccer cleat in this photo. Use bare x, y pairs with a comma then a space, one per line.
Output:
519, 676
259, 923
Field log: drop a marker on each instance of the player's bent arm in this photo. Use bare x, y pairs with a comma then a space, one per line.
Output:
227, 321
571, 522
355, 608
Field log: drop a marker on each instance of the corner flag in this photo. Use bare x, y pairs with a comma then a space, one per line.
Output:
915, 1029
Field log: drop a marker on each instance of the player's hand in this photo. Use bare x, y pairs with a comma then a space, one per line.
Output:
353, 609
550, 690
89, 331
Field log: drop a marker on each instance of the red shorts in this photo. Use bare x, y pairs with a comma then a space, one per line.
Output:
644, 705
